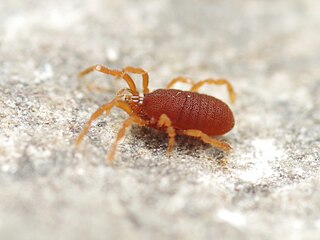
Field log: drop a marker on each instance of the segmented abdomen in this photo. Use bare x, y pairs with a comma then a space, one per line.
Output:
189, 110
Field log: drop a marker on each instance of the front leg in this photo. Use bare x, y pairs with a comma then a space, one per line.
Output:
106, 108
126, 124
143, 73
112, 72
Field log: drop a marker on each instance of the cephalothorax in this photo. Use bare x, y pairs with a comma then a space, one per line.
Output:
174, 111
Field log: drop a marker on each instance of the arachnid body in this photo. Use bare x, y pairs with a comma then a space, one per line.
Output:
174, 111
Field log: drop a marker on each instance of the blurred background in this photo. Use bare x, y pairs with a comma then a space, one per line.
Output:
266, 188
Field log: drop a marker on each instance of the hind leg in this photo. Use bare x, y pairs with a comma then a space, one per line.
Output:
195, 86
230, 89
205, 138
179, 79
164, 121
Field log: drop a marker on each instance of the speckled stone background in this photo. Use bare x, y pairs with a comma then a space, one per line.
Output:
267, 188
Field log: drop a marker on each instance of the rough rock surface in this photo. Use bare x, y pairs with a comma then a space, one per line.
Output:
267, 188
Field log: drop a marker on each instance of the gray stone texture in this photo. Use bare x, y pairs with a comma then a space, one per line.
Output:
268, 187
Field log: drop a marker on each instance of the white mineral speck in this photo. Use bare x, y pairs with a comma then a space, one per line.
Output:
266, 152
112, 54
235, 219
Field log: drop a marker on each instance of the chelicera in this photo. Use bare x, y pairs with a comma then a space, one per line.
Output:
173, 111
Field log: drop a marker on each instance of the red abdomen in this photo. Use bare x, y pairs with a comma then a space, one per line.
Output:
189, 110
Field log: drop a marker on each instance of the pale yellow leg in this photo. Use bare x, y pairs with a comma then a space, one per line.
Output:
126, 124
164, 121
230, 89
143, 73
104, 108
115, 73
205, 138
179, 79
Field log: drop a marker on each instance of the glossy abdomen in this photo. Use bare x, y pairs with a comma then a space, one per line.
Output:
189, 110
